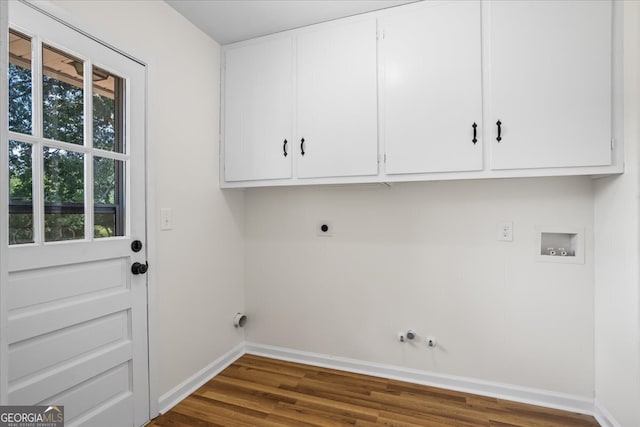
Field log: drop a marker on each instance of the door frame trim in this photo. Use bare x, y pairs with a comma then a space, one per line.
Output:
4, 207
48, 8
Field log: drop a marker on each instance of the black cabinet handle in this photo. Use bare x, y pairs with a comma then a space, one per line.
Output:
499, 138
284, 148
302, 146
475, 127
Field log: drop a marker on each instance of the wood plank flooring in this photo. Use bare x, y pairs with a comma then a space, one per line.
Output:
256, 391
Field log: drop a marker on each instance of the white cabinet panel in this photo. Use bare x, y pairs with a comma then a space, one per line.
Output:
550, 83
258, 111
337, 101
432, 83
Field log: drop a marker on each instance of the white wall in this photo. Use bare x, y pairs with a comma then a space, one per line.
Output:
426, 256
617, 279
199, 264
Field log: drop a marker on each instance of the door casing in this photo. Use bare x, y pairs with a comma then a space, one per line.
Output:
4, 207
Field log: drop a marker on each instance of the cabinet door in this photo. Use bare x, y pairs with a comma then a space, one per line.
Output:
258, 110
337, 101
550, 83
432, 80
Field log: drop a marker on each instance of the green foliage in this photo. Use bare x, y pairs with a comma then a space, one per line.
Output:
63, 170
20, 171
103, 189
21, 227
104, 136
63, 176
63, 111
63, 227
19, 99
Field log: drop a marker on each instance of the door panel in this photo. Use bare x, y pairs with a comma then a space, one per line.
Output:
550, 83
77, 331
258, 111
337, 101
32, 287
53, 349
432, 88
101, 388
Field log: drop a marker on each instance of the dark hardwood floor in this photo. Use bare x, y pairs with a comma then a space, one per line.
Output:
256, 391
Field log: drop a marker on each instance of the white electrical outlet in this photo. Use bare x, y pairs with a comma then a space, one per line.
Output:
505, 231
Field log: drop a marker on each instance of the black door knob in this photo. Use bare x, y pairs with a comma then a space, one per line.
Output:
138, 268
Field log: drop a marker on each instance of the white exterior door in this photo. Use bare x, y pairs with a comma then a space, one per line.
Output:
432, 88
77, 319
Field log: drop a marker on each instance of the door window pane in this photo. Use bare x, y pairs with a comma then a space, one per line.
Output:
20, 83
53, 208
108, 101
62, 96
20, 193
108, 196
63, 195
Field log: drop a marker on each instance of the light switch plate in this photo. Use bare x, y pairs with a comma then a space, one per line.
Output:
166, 219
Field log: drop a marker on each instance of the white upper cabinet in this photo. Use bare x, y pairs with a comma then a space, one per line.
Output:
416, 92
337, 101
549, 83
258, 111
432, 87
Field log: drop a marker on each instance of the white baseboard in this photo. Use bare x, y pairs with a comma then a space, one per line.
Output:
604, 417
531, 396
197, 380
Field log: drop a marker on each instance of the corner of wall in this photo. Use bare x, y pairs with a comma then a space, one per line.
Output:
617, 251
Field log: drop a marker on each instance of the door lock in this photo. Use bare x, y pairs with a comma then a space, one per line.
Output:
136, 246
138, 268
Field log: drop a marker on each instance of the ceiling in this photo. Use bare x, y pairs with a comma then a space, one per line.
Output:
228, 21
